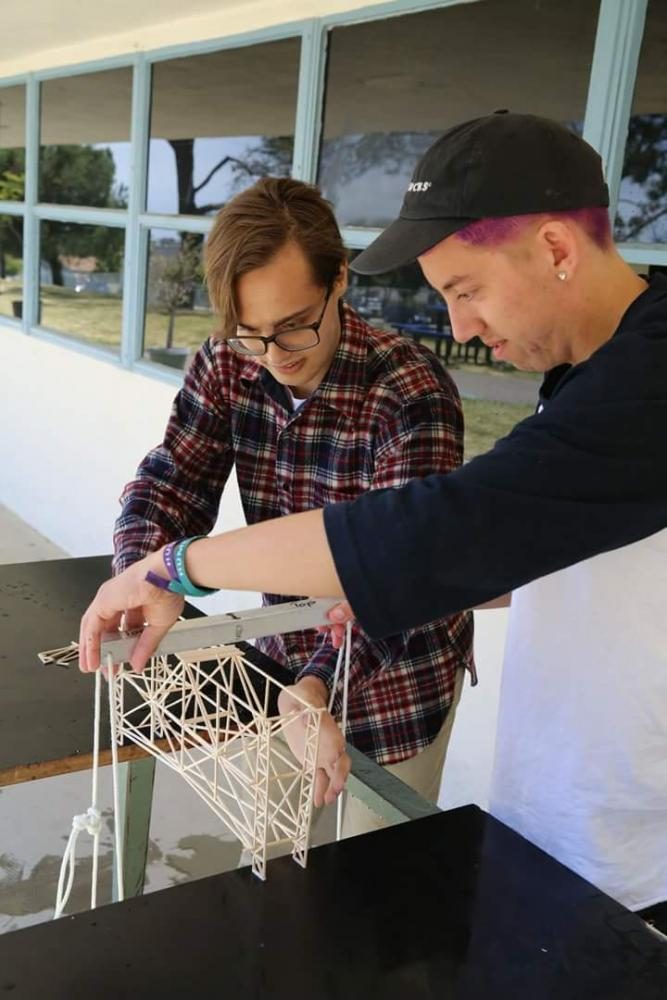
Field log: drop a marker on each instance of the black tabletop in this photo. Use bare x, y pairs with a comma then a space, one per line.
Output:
451, 906
45, 711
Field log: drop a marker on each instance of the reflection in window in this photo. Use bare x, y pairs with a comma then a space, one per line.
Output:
81, 281
218, 122
403, 301
642, 205
384, 107
178, 312
85, 132
12, 143
11, 266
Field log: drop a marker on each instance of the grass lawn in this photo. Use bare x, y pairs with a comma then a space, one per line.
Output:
96, 319
486, 421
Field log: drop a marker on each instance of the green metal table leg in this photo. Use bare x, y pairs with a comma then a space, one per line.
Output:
383, 793
136, 798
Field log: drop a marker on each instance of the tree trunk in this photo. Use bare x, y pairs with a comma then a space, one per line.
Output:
184, 154
170, 329
56, 270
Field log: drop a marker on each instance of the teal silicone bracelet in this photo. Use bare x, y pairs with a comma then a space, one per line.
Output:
184, 584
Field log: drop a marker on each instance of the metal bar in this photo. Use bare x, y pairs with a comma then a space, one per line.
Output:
12, 207
31, 254
136, 238
310, 101
612, 84
136, 798
179, 223
217, 630
383, 793
112, 217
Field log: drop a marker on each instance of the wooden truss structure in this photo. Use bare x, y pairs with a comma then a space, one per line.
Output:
209, 713
206, 714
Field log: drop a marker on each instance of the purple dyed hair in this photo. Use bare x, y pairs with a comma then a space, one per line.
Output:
493, 232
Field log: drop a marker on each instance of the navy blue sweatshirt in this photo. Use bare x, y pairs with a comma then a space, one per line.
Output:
586, 474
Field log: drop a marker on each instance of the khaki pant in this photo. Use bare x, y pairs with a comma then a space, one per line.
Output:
423, 773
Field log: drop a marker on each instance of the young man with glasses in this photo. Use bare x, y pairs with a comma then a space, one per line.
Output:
312, 406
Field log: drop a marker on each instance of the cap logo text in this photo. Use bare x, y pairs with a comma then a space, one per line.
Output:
419, 185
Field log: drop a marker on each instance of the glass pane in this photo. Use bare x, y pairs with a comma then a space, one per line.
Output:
178, 313
384, 107
85, 133
218, 122
495, 395
81, 281
642, 205
11, 266
12, 143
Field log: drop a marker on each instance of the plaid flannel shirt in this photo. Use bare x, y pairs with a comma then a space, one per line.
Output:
386, 412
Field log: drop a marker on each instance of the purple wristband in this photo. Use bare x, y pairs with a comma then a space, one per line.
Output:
157, 581
169, 561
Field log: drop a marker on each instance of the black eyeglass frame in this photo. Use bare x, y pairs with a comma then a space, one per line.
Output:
234, 342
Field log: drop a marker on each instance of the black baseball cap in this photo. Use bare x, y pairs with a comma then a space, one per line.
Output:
499, 165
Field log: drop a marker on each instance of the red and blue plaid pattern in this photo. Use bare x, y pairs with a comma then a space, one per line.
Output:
386, 412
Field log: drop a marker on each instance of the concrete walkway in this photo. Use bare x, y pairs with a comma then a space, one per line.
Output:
21, 543
495, 386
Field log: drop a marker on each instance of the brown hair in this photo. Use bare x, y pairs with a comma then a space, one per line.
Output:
255, 225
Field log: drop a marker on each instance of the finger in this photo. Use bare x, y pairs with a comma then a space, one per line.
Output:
132, 618
341, 613
337, 775
320, 787
93, 626
146, 644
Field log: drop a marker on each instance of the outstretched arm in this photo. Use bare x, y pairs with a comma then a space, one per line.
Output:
286, 555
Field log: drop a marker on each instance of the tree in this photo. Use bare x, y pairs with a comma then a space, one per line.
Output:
72, 175
646, 168
173, 279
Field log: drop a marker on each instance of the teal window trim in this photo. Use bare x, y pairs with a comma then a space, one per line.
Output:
82, 214
644, 253
136, 237
12, 208
613, 73
612, 83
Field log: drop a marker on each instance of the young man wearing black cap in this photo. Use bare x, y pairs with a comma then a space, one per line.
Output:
507, 217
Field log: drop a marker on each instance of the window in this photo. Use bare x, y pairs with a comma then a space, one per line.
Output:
394, 85
81, 281
494, 396
12, 143
642, 205
178, 314
85, 131
218, 122
11, 266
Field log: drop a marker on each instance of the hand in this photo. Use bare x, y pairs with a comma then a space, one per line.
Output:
339, 616
333, 764
129, 594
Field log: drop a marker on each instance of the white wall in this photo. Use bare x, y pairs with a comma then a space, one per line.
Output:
42, 34
73, 431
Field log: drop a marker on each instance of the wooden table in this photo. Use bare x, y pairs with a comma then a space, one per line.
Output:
46, 711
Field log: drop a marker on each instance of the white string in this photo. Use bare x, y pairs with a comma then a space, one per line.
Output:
343, 716
118, 846
90, 821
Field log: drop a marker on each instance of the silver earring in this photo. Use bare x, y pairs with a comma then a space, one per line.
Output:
562, 275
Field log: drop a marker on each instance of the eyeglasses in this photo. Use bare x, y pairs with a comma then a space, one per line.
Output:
290, 338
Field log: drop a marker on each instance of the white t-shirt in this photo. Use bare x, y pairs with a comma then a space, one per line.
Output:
295, 400
581, 761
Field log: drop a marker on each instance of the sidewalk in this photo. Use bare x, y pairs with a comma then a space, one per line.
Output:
496, 387
21, 543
